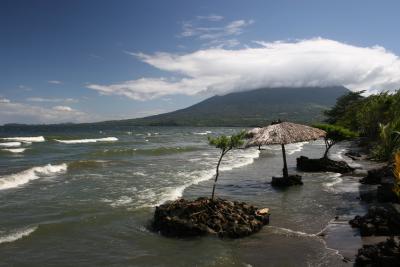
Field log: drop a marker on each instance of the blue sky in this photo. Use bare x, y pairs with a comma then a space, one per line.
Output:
78, 61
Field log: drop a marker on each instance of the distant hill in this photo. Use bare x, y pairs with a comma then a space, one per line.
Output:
251, 108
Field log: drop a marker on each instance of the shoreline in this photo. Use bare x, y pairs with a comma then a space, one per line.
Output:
337, 237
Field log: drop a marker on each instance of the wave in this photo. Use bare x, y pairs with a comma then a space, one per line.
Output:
14, 150
240, 160
23, 177
290, 148
339, 154
202, 133
17, 234
159, 151
139, 174
83, 164
335, 180
296, 147
289, 232
94, 140
11, 144
29, 139
237, 160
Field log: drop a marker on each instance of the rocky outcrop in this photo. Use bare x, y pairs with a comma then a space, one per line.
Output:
187, 218
322, 165
375, 176
382, 254
379, 221
284, 182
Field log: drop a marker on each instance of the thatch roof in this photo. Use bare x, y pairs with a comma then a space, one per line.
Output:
283, 133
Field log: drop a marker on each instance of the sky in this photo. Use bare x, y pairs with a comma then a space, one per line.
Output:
95, 60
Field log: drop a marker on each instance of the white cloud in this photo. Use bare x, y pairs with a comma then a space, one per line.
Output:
55, 100
54, 82
14, 112
209, 30
63, 108
4, 100
313, 62
212, 17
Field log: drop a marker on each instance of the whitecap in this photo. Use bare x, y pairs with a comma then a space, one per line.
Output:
27, 139
79, 141
17, 234
23, 177
339, 154
14, 150
203, 133
11, 144
296, 147
122, 201
239, 158
335, 179
139, 173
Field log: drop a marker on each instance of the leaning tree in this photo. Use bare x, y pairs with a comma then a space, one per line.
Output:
226, 144
334, 134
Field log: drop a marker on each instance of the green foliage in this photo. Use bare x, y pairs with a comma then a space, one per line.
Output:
225, 143
343, 107
396, 172
365, 114
389, 142
335, 134
376, 118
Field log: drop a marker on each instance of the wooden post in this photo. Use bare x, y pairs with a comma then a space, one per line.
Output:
285, 170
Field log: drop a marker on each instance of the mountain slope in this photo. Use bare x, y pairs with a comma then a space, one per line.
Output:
250, 108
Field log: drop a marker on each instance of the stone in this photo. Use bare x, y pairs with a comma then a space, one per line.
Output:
385, 193
380, 221
385, 253
285, 182
375, 176
322, 165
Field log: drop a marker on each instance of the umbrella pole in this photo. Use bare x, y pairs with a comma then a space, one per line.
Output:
285, 170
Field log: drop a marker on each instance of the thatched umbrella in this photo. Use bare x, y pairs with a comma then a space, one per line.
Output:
283, 133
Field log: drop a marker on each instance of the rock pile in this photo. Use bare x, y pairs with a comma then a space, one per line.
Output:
187, 218
322, 165
379, 221
284, 182
382, 254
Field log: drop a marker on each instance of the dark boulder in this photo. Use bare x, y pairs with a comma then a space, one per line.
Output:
322, 165
385, 253
379, 221
375, 176
188, 218
284, 182
385, 193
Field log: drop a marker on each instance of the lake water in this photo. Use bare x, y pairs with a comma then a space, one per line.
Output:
84, 197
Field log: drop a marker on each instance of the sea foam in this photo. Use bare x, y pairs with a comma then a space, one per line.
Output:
17, 234
80, 141
28, 139
23, 177
240, 158
14, 150
10, 144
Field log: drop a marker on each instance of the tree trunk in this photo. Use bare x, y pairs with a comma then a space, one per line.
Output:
285, 170
217, 174
327, 148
